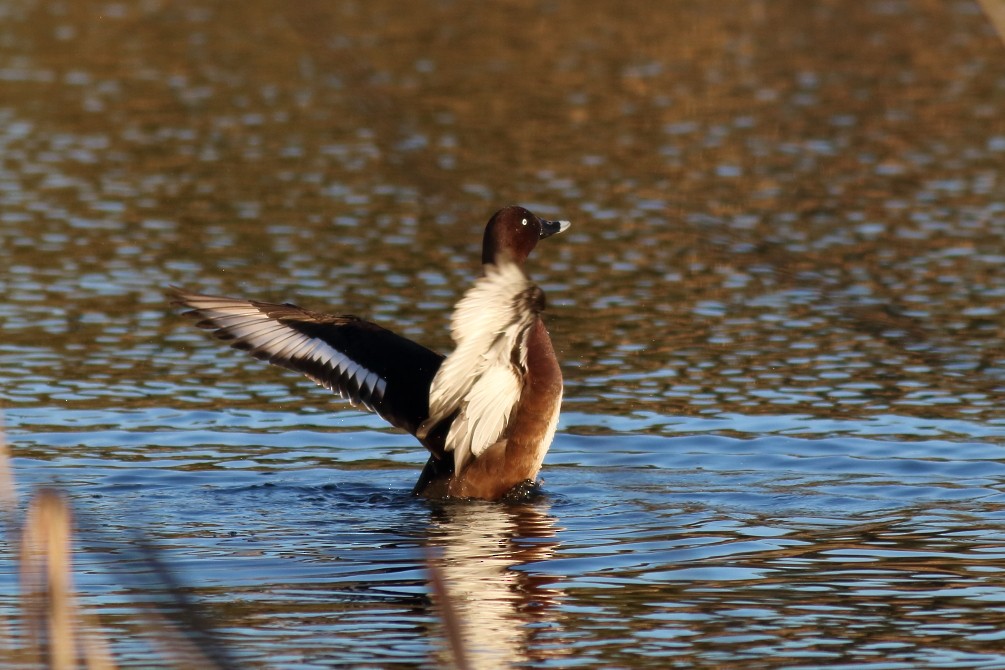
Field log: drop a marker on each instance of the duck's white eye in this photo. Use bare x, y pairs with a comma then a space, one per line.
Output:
524, 222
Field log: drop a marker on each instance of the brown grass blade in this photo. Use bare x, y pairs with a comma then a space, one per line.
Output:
995, 10
448, 615
57, 638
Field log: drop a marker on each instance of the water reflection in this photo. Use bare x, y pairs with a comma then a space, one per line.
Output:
485, 551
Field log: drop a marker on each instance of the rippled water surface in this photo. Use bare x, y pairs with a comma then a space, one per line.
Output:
779, 315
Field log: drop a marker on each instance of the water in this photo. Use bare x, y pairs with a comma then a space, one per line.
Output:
778, 314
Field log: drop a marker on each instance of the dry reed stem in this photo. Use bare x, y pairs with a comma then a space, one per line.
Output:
45, 581
186, 636
58, 635
995, 10
57, 638
8, 494
451, 622
54, 632
8, 501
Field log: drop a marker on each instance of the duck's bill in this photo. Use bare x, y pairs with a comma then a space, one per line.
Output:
549, 228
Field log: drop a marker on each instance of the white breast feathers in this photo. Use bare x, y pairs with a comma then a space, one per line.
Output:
483, 378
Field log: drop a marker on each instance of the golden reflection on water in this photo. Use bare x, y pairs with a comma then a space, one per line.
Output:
767, 214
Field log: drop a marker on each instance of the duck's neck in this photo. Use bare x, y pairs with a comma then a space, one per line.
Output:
493, 257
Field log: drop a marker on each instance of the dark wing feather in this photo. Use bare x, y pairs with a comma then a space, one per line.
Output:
357, 359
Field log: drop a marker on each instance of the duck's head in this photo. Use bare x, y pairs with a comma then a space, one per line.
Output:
513, 232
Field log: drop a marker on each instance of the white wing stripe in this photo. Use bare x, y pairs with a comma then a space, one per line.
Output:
321, 352
281, 343
299, 348
254, 329
275, 342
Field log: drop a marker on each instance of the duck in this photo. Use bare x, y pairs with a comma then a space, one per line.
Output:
487, 412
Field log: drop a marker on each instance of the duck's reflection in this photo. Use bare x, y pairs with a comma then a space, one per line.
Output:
482, 551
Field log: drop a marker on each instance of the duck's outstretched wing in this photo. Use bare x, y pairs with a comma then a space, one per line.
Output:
480, 383
358, 360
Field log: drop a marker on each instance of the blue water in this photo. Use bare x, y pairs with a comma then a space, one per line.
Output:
792, 537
